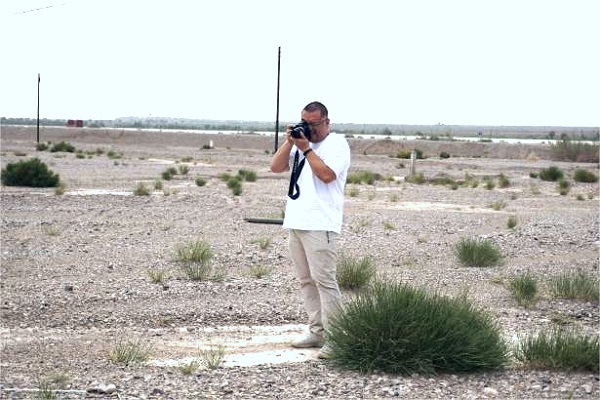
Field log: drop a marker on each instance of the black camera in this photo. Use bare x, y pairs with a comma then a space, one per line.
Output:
299, 128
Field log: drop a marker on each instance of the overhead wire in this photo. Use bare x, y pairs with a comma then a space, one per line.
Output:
41, 8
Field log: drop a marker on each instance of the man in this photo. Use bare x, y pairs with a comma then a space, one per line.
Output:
314, 215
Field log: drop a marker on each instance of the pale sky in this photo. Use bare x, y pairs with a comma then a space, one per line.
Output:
455, 62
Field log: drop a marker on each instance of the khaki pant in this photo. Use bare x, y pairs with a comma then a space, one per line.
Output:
314, 255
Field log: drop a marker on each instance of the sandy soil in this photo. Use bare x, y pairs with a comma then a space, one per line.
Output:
75, 267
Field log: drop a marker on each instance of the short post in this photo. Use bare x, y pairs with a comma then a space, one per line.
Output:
413, 163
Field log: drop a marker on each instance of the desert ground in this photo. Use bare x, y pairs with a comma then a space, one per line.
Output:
75, 267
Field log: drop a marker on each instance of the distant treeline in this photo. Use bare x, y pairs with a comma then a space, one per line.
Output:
434, 132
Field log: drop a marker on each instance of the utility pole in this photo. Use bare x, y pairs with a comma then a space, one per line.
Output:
277, 114
38, 111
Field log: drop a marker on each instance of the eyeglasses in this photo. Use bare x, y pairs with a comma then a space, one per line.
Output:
316, 124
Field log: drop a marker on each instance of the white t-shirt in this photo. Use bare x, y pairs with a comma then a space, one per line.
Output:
320, 206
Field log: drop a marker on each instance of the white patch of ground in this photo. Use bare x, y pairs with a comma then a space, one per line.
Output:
244, 346
99, 192
427, 206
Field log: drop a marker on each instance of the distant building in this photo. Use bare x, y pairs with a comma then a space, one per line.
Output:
75, 123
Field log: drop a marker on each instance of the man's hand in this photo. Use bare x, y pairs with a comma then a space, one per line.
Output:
301, 143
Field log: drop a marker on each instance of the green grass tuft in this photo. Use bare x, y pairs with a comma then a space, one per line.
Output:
213, 356
260, 271
62, 147
474, 252
141, 190
577, 285
190, 367
130, 352
524, 289
398, 329
365, 177
200, 181
247, 175
551, 173
355, 273
562, 348
584, 175
503, 181
196, 260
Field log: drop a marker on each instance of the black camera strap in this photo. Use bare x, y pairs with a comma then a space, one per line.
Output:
296, 169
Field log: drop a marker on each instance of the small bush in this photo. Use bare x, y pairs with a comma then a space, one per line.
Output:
575, 285
156, 276
443, 154
406, 154
260, 271
566, 150
29, 173
200, 181
503, 181
213, 356
184, 169
49, 386
353, 191
365, 177
62, 146
114, 155
498, 205
523, 289
551, 173
559, 349
563, 187
196, 252
60, 189
263, 243
196, 259
141, 190
190, 367
470, 181
42, 146
585, 176
246, 175
417, 178
388, 226
512, 222
478, 253
489, 183
225, 176
398, 329
130, 351
235, 184
355, 273
443, 180
169, 173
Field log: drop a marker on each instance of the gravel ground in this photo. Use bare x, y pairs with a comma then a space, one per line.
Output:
75, 268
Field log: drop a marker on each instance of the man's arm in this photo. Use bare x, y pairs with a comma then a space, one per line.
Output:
319, 168
281, 159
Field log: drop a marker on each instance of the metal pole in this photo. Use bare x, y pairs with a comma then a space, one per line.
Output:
277, 115
38, 111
